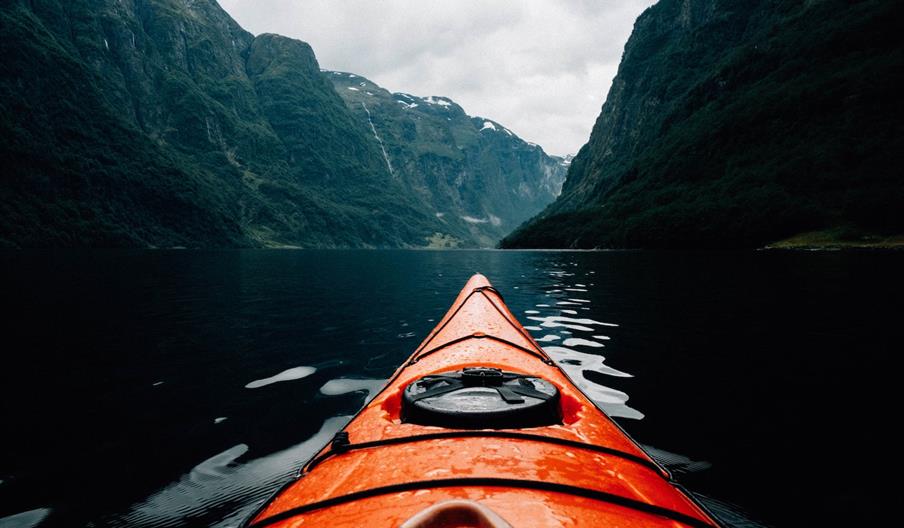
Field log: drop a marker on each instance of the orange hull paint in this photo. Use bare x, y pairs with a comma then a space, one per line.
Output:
479, 330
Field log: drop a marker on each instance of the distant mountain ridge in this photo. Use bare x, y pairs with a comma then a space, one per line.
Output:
161, 123
475, 174
736, 124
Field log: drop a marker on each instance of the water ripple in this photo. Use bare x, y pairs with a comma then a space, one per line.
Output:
221, 491
340, 386
286, 375
575, 363
27, 519
577, 341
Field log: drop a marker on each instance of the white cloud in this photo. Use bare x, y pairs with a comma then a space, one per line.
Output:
540, 67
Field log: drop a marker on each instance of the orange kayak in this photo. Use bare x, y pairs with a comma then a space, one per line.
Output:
480, 428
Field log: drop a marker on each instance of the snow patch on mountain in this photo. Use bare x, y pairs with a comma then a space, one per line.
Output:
441, 101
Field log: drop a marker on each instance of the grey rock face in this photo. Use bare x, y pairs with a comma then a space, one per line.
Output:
473, 173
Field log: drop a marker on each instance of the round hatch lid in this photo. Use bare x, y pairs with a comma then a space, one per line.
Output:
481, 398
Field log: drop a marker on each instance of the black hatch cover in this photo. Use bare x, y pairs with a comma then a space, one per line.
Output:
481, 398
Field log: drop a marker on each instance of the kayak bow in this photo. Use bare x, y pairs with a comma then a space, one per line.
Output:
480, 428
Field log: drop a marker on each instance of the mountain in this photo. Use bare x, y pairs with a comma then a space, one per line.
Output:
738, 123
472, 173
160, 123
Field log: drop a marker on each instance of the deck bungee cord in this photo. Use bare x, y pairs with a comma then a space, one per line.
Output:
344, 445
481, 428
489, 482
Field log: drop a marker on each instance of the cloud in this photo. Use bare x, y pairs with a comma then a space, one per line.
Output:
540, 67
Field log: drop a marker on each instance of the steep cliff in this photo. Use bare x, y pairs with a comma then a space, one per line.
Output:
475, 175
163, 123
733, 124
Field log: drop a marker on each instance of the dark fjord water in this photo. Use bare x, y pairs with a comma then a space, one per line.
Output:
180, 388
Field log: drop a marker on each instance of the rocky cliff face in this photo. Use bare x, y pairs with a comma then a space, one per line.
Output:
640, 95
737, 123
163, 123
476, 176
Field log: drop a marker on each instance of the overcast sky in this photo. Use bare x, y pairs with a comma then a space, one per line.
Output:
540, 67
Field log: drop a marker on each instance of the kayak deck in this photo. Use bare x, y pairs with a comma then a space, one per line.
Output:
381, 470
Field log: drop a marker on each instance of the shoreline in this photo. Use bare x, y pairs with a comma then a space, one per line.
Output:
839, 239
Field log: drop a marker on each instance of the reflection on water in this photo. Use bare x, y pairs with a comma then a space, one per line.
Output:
184, 387
344, 386
28, 519
577, 341
677, 464
221, 491
224, 485
568, 322
574, 362
286, 375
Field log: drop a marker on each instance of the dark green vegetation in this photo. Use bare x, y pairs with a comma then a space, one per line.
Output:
738, 123
163, 123
839, 238
474, 174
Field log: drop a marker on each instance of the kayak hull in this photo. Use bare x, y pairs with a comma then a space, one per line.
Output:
583, 471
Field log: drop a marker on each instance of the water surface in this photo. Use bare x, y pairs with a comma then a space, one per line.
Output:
171, 388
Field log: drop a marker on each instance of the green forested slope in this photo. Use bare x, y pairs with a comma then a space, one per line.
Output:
163, 123
478, 177
738, 123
